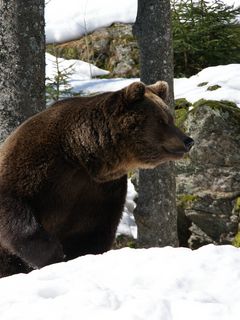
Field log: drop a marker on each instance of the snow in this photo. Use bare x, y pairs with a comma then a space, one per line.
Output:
79, 70
69, 20
153, 284
128, 225
76, 18
226, 76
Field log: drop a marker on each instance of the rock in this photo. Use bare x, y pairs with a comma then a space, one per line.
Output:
113, 48
208, 179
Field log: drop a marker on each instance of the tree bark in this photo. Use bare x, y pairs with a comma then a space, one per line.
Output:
22, 62
156, 213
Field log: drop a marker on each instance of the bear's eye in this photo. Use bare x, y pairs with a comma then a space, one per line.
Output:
160, 121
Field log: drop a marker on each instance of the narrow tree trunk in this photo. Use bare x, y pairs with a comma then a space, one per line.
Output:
156, 213
22, 62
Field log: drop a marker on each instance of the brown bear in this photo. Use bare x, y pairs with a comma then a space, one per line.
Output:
63, 173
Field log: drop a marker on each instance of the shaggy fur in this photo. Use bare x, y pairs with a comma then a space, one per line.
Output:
63, 173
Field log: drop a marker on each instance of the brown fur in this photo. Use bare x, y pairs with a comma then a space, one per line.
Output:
63, 173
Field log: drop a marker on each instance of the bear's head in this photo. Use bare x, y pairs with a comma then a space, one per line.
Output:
142, 130
158, 139
127, 129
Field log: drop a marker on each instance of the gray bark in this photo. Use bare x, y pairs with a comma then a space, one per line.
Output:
156, 213
22, 62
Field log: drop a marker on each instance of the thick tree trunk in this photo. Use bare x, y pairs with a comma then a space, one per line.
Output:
156, 213
22, 62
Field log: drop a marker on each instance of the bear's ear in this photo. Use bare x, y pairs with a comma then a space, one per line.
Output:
135, 91
161, 89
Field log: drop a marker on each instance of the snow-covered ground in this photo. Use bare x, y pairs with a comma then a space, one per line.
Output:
80, 70
227, 77
153, 284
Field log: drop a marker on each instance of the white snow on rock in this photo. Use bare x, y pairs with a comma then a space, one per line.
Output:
226, 76
71, 19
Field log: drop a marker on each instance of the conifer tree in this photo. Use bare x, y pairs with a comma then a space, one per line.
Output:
205, 34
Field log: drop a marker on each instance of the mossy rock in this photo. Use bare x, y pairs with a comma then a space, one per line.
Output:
181, 111
215, 104
213, 88
123, 241
107, 48
186, 200
228, 109
236, 241
202, 84
182, 103
237, 206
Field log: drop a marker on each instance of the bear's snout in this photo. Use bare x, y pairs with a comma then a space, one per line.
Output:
188, 142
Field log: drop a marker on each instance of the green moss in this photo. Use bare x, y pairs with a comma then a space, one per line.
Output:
188, 197
237, 205
182, 103
202, 84
127, 38
226, 110
181, 111
236, 240
213, 88
229, 104
186, 200
123, 241
180, 117
223, 105
66, 52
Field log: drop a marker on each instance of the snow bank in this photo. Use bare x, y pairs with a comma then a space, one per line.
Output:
68, 20
153, 284
79, 70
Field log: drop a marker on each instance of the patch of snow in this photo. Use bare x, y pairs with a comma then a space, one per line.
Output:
100, 85
128, 225
153, 284
79, 70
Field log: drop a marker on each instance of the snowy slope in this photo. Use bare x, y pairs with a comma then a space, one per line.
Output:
226, 76
79, 70
153, 284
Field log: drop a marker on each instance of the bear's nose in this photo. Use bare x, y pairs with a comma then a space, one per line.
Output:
188, 142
